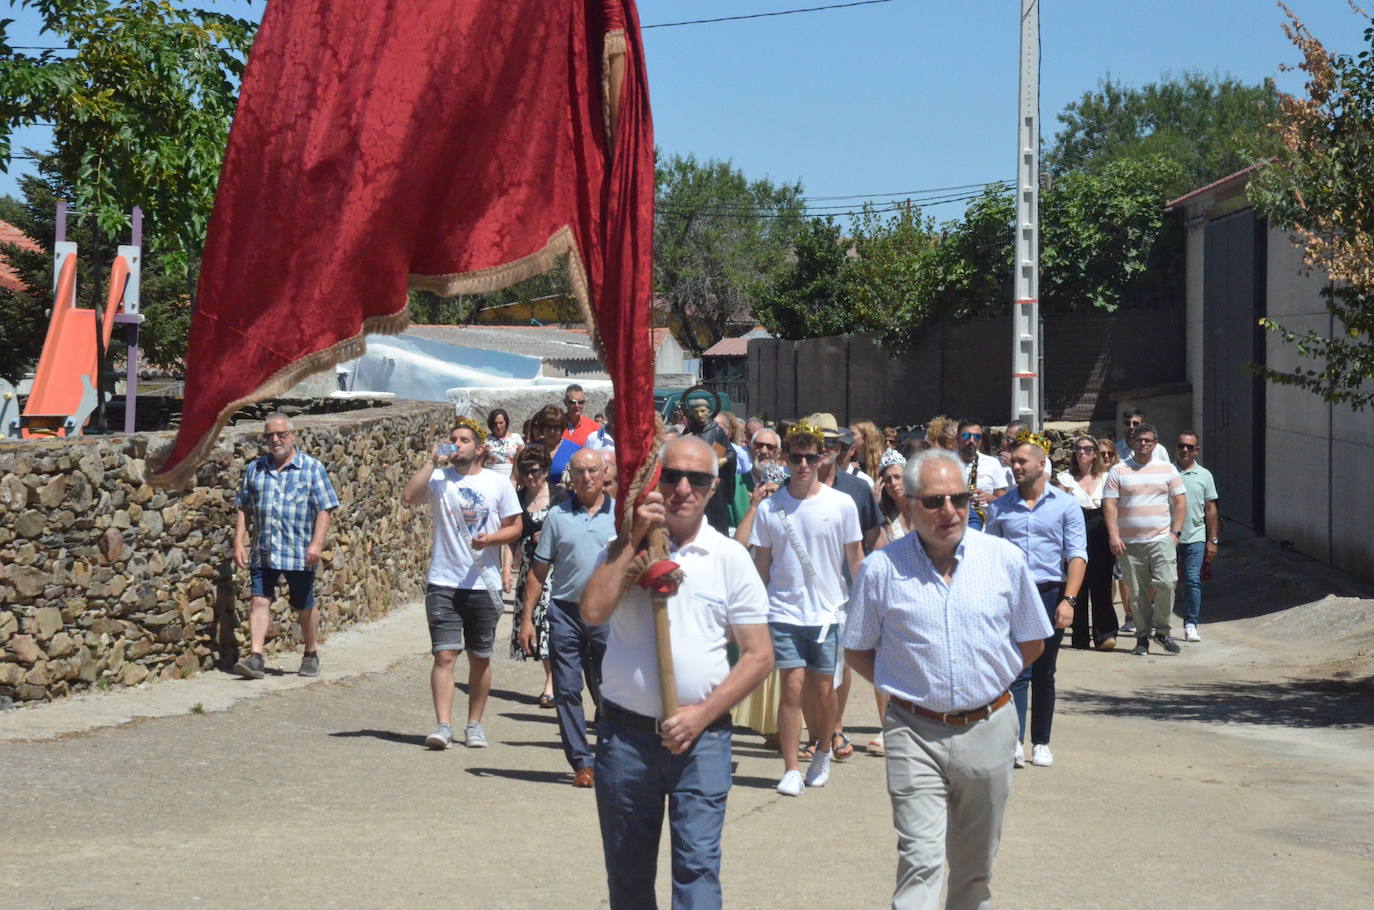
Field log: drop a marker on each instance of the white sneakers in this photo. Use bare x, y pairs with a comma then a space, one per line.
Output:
1041, 756
792, 783
819, 772
1018, 759
1190, 633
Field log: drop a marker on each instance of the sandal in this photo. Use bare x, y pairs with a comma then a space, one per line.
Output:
844, 751
545, 700
807, 751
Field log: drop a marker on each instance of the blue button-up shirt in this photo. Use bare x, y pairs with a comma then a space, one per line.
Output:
571, 541
946, 647
283, 503
1050, 534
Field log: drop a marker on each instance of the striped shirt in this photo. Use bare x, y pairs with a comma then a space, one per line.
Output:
1142, 493
283, 503
946, 647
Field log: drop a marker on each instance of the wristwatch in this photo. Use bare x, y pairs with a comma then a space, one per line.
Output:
1073, 601
1214, 540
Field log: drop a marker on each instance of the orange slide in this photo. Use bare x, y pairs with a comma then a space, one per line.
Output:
67, 365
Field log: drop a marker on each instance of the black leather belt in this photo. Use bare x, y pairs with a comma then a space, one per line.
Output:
1043, 586
615, 714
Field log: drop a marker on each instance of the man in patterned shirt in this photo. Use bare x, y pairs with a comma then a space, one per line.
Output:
290, 499
943, 621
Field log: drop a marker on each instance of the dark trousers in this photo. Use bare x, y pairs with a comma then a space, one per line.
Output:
576, 650
634, 776
1039, 677
1095, 598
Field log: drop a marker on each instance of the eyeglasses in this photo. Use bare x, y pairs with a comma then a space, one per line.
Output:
276, 434
967, 436
811, 458
1186, 447
1145, 441
1084, 449
766, 445
699, 480
958, 500
533, 472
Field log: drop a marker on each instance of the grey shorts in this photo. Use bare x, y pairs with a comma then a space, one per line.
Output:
456, 614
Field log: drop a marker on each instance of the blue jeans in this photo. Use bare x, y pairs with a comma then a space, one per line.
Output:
634, 773
1039, 677
1189, 598
576, 650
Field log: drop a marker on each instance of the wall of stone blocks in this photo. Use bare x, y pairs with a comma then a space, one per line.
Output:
105, 581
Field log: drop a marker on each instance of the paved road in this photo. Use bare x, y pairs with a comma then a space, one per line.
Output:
1236, 775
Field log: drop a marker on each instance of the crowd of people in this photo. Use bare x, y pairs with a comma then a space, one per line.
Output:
944, 574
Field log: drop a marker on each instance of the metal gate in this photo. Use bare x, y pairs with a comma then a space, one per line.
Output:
1232, 396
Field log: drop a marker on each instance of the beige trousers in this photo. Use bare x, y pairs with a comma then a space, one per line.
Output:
1146, 565
949, 788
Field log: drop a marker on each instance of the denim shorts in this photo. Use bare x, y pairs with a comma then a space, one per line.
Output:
796, 646
456, 614
300, 584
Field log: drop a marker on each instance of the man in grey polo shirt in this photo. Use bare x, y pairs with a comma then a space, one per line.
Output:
943, 621
574, 534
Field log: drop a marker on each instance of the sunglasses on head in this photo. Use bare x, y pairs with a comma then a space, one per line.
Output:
958, 500
698, 480
967, 436
811, 458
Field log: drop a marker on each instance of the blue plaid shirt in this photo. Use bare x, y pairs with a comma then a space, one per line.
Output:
283, 505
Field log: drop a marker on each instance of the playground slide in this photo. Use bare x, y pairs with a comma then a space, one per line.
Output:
67, 366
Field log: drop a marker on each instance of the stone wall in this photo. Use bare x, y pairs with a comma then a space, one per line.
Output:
105, 581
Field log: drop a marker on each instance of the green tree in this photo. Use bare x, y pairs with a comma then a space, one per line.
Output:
1318, 185
140, 107
807, 298
973, 265
1211, 126
890, 279
719, 239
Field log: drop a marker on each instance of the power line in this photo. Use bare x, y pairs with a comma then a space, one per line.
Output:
886, 208
919, 198
934, 189
784, 12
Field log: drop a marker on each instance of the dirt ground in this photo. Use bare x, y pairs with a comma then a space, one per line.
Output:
1238, 774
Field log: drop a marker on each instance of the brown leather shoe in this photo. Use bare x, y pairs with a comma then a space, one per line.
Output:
585, 777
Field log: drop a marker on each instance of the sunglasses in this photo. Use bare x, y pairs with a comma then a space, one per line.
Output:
1131, 423
699, 480
1084, 449
577, 401
549, 427
958, 500
276, 434
1186, 447
967, 436
533, 472
811, 458
765, 445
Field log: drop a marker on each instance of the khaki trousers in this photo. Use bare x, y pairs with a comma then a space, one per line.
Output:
1146, 565
949, 788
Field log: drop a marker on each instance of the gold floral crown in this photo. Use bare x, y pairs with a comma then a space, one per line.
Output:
802, 428
467, 423
1035, 439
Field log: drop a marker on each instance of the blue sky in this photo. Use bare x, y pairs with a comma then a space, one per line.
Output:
909, 94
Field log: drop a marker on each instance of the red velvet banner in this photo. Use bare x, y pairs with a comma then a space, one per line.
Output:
452, 145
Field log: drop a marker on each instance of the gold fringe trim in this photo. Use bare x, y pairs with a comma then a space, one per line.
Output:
613, 45
276, 384
482, 281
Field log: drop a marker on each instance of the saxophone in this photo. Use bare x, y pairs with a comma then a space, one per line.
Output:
973, 490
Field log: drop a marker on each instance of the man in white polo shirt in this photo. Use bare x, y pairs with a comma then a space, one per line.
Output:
642, 757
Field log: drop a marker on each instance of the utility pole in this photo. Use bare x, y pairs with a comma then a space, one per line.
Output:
1026, 403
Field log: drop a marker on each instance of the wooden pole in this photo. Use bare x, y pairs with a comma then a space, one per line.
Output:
667, 678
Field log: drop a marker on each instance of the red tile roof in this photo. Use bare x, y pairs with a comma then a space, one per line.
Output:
9, 234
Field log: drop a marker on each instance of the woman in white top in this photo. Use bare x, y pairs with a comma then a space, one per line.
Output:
892, 504
503, 446
1084, 481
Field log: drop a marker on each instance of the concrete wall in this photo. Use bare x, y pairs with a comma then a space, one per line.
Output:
107, 582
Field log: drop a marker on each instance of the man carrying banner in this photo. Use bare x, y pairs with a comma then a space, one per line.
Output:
643, 757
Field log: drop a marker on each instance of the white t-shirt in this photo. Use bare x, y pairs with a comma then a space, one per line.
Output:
992, 474
721, 589
824, 523
482, 500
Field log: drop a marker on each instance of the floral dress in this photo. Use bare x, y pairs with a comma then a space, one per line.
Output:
533, 522
501, 452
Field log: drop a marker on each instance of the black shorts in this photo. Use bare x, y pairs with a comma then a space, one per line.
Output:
459, 614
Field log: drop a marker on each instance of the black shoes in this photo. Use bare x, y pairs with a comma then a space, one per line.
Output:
251, 667
1142, 647
1165, 639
